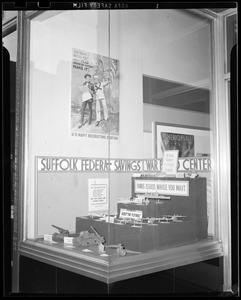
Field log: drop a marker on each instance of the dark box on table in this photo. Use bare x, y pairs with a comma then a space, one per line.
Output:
150, 237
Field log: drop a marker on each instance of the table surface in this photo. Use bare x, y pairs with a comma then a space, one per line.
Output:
111, 267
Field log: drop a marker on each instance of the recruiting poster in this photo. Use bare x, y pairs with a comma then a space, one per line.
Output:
184, 143
94, 96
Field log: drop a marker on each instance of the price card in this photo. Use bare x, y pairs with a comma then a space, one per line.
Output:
68, 240
112, 219
138, 200
180, 175
48, 238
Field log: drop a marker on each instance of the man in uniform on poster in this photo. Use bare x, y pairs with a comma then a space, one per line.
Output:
100, 99
88, 92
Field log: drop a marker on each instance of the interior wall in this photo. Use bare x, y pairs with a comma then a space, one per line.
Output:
172, 116
173, 43
170, 44
52, 40
167, 44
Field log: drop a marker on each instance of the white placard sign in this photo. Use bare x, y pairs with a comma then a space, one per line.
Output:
130, 214
163, 187
48, 238
98, 194
170, 161
68, 240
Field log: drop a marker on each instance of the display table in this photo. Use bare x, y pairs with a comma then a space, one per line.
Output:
112, 270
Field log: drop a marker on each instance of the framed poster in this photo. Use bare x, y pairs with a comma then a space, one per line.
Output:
197, 140
189, 141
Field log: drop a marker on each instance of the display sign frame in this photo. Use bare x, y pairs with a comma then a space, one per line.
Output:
191, 141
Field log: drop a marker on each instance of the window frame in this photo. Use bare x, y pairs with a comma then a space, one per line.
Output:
221, 148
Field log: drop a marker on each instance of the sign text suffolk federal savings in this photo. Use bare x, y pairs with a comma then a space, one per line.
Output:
70, 164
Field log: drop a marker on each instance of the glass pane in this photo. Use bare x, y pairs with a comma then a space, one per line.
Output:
120, 120
68, 149
165, 118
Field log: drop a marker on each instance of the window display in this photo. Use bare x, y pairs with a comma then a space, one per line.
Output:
147, 221
119, 151
151, 221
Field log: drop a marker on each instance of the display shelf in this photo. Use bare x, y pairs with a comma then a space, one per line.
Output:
132, 265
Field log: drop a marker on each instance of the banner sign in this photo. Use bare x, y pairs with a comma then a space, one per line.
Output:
164, 187
198, 164
72, 164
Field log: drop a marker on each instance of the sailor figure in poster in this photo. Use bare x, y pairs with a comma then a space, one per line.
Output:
100, 99
88, 93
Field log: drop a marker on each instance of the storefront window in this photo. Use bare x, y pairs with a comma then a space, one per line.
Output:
165, 63
64, 50
119, 153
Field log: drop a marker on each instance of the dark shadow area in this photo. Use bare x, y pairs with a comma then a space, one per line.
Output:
37, 278
6, 173
234, 168
175, 95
